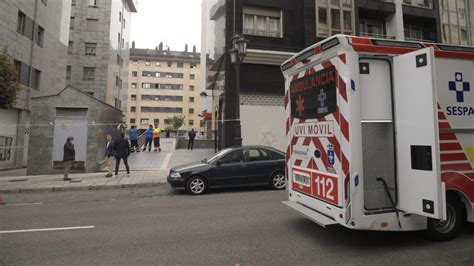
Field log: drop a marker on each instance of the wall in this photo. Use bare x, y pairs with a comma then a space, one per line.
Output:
263, 124
8, 132
102, 119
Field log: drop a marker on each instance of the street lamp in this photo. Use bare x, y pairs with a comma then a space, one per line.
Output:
237, 54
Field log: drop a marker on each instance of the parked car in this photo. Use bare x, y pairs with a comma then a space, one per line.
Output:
232, 167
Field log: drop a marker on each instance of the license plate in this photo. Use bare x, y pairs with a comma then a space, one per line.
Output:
302, 179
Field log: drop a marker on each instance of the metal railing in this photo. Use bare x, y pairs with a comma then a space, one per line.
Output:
374, 35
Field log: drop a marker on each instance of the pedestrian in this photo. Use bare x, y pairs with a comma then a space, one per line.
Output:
122, 151
133, 137
68, 157
192, 136
109, 155
148, 138
156, 138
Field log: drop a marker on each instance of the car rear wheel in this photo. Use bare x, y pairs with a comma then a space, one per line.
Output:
442, 230
196, 185
278, 181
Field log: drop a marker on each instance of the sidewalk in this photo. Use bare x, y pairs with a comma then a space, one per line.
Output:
89, 181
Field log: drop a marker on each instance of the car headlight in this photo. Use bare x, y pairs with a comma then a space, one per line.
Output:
175, 175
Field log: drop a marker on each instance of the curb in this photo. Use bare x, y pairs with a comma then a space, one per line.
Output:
79, 188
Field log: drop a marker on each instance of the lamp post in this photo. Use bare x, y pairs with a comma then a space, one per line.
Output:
237, 54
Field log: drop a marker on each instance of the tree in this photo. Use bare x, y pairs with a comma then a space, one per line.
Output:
8, 81
175, 122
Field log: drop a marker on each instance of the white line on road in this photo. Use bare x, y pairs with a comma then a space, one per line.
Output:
47, 229
166, 161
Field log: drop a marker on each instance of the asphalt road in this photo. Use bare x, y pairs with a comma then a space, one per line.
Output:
161, 227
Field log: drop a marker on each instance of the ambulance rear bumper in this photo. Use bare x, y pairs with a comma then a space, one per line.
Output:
311, 214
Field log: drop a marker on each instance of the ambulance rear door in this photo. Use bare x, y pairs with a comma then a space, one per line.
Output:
420, 190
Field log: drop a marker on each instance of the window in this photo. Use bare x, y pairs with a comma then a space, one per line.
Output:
134, 62
334, 17
124, 23
134, 73
191, 99
191, 88
192, 65
21, 23
170, 110
156, 121
191, 122
262, 21
413, 32
191, 110
257, 155
116, 80
133, 97
35, 79
133, 109
166, 98
191, 76
72, 23
91, 48
93, 3
89, 73
118, 59
134, 85
180, 65
132, 120
371, 27
419, 3
144, 121
120, 16
233, 157
119, 38
73, 2
454, 19
92, 24
70, 47
147, 62
39, 36
170, 64
68, 72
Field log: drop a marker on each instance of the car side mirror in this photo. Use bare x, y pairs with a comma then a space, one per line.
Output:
218, 163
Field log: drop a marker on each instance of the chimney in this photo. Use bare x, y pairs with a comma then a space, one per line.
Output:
194, 49
133, 45
160, 46
186, 48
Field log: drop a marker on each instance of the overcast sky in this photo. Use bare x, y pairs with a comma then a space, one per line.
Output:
174, 22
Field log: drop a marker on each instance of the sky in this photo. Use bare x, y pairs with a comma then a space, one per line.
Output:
173, 22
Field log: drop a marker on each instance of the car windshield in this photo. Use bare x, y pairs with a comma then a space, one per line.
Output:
216, 156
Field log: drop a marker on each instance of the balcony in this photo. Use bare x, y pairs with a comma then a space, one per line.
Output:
374, 35
385, 8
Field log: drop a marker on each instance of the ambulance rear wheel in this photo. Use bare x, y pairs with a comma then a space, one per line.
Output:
443, 230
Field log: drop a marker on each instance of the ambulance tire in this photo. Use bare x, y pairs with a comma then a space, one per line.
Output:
448, 229
278, 181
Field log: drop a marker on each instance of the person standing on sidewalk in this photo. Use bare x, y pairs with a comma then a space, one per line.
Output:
156, 138
122, 151
68, 157
148, 138
109, 155
192, 136
133, 137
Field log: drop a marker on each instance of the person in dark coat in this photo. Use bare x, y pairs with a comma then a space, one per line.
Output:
192, 136
122, 151
109, 155
68, 157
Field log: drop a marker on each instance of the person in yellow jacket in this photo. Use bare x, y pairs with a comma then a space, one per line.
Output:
156, 138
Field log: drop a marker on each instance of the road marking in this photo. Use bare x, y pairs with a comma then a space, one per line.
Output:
47, 229
166, 161
24, 204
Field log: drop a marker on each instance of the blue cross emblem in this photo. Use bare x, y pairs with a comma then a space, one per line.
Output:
322, 97
463, 87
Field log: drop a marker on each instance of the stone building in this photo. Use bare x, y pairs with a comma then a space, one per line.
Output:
70, 112
35, 33
98, 48
164, 83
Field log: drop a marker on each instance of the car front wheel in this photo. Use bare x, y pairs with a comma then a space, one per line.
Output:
196, 185
278, 181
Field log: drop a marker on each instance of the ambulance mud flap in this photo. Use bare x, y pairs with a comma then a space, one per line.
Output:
311, 214
420, 190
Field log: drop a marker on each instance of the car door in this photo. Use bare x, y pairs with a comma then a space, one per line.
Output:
228, 170
259, 166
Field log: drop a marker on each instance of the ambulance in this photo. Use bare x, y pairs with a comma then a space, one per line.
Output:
380, 135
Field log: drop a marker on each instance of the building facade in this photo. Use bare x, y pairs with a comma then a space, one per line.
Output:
276, 29
35, 33
163, 84
98, 48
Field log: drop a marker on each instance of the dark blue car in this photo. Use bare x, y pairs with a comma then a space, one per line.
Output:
232, 167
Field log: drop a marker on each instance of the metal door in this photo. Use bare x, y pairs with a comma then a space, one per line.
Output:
63, 128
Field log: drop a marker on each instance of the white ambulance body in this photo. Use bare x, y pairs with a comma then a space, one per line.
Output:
381, 134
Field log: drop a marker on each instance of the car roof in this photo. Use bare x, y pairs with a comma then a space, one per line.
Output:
255, 147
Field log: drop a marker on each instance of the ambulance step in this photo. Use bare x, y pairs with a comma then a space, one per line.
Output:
311, 214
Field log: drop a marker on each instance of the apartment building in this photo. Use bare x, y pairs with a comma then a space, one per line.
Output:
98, 48
164, 83
35, 33
276, 29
